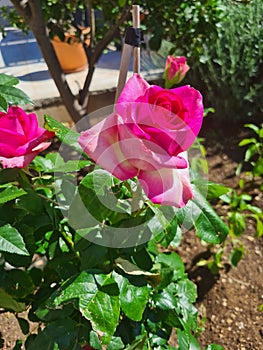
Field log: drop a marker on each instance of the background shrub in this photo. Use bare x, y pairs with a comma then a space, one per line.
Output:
232, 65
223, 43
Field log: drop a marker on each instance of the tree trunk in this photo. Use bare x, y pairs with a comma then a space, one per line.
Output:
32, 15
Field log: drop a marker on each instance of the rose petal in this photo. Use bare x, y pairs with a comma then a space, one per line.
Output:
134, 88
167, 186
194, 104
175, 132
101, 143
111, 144
23, 160
28, 122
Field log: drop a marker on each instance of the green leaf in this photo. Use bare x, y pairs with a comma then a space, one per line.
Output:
171, 234
99, 181
253, 127
259, 221
72, 166
164, 226
237, 223
17, 283
137, 344
64, 134
8, 80
236, 255
3, 104
8, 175
7, 302
24, 325
61, 334
47, 163
142, 258
115, 344
208, 110
258, 167
94, 340
31, 203
186, 289
133, 270
11, 241
166, 300
246, 142
172, 265
250, 152
92, 256
96, 296
9, 193
176, 241
198, 213
48, 315
18, 345
133, 299
187, 341
214, 347
13, 95
211, 190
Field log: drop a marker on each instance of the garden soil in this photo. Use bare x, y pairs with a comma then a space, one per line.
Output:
229, 302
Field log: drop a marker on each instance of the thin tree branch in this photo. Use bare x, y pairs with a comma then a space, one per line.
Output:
97, 52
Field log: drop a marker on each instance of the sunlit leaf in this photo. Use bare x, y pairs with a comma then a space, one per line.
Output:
9, 193
13, 95
9, 80
11, 241
64, 134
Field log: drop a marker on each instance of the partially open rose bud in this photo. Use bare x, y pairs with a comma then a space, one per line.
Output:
175, 70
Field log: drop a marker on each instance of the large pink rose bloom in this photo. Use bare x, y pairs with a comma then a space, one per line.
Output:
147, 136
21, 139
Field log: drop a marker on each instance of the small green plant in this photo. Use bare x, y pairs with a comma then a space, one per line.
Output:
254, 151
239, 210
240, 204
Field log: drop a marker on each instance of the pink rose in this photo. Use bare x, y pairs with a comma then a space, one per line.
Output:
146, 137
21, 139
175, 70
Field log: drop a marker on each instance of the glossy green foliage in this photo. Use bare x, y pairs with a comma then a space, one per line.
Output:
10, 94
80, 287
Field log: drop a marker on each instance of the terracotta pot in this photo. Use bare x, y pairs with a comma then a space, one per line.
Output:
70, 53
